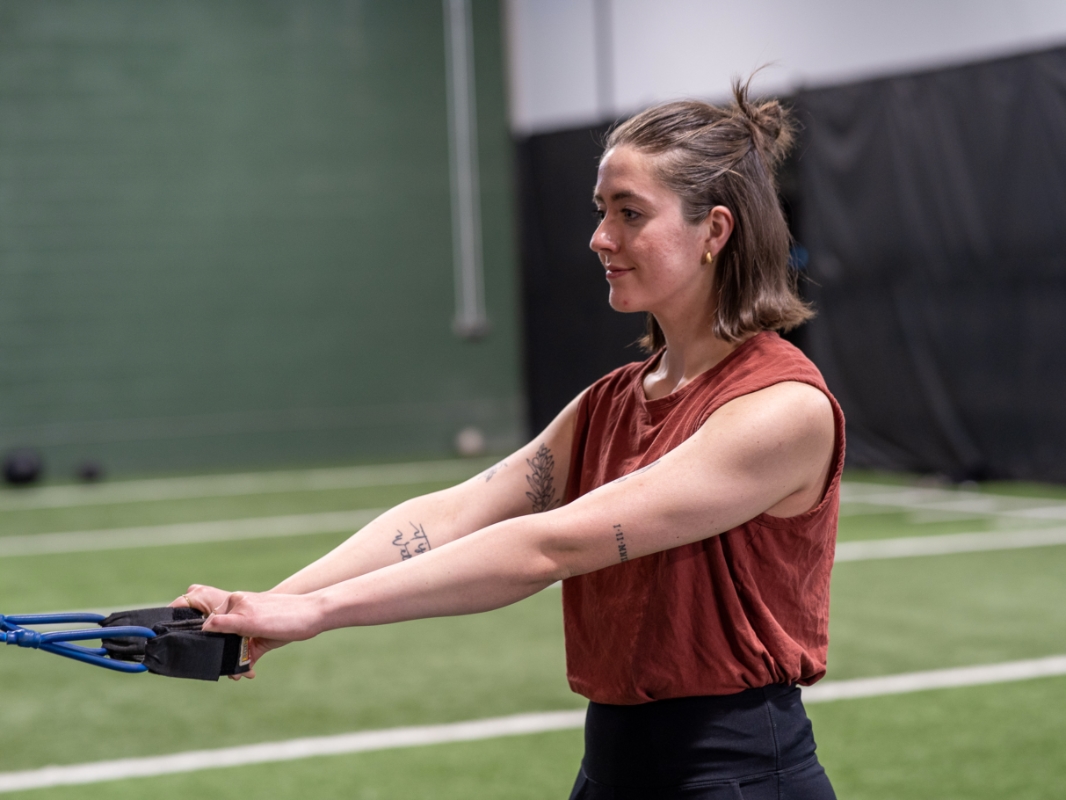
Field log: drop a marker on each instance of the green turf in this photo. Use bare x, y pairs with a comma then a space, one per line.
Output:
997, 742
106, 578
505, 662
166, 512
980, 743
887, 617
521, 768
902, 615
1025, 489
1009, 488
889, 525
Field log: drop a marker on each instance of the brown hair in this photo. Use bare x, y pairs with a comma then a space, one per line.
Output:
710, 156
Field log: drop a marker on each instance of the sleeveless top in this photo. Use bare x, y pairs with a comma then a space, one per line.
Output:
739, 610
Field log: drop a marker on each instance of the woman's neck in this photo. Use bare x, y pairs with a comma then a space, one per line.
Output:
688, 354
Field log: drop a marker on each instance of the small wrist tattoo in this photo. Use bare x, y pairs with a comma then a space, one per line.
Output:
620, 540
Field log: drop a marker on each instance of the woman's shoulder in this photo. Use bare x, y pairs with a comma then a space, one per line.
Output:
765, 360
767, 356
614, 390
621, 378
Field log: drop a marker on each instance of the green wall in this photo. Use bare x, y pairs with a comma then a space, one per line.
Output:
225, 234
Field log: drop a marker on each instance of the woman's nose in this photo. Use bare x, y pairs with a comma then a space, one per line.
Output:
601, 241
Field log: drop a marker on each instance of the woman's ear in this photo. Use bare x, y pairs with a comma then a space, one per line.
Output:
719, 228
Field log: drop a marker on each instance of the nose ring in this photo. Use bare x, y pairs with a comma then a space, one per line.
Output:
606, 261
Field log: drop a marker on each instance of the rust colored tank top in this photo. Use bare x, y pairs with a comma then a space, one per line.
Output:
746, 608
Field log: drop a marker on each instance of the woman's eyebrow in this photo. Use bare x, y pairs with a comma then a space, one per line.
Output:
625, 194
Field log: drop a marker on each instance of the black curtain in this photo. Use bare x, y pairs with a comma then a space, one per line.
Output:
572, 336
933, 207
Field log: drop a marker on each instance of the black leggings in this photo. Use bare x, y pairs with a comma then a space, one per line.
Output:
756, 745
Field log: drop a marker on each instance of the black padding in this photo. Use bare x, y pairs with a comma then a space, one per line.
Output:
234, 652
180, 648
150, 617
130, 648
186, 654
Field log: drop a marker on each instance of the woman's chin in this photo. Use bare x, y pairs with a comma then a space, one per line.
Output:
620, 302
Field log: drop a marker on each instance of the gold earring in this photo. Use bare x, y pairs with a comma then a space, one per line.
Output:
708, 258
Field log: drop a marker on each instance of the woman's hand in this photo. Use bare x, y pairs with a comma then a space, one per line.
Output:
212, 602
286, 617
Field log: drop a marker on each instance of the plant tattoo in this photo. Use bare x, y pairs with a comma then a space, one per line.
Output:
411, 544
540, 480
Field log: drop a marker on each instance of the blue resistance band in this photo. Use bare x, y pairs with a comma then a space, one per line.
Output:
58, 642
165, 641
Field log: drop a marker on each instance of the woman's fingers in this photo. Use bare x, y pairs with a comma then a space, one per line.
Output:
184, 601
205, 599
270, 618
235, 614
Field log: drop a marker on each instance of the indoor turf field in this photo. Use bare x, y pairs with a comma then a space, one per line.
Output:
141, 542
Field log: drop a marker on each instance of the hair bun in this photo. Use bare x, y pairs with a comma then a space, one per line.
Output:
771, 127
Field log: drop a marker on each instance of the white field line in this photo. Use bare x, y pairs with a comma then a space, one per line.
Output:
947, 544
518, 725
186, 533
291, 750
935, 679
309, 480
866, 498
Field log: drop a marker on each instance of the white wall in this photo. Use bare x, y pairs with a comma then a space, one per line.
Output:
653, 50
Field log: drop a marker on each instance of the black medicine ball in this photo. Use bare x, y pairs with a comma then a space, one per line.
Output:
22, 467
90, 471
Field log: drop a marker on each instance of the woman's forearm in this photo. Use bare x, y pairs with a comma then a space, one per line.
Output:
410, 529
490, 569
525, 482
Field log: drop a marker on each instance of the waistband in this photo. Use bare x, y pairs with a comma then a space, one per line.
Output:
697, 739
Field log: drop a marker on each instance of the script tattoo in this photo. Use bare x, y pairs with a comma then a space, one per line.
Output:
620, 539
411, 544
645, 468
540, 480
493, 470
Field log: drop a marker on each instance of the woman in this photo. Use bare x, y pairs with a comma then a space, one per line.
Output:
688, 503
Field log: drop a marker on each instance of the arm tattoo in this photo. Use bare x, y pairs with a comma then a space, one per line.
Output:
645, 468
541, 481
620, 539
411, 544
493, 470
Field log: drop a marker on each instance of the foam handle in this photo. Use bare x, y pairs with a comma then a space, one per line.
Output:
181, 649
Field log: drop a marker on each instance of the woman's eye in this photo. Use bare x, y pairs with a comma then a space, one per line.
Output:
629, 214
599, 214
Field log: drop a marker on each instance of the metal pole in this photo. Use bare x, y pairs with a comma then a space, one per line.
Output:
471, 320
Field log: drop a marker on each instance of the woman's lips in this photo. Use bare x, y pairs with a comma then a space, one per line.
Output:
616, 272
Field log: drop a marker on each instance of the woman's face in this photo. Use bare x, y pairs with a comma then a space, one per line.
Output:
652, 254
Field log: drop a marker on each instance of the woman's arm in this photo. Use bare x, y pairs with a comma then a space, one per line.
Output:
770, 451
528, 481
